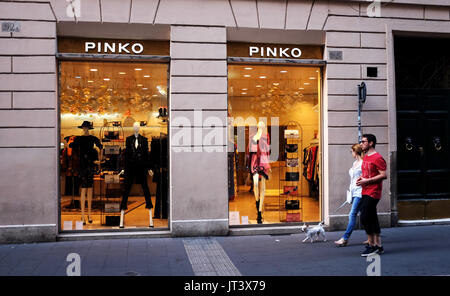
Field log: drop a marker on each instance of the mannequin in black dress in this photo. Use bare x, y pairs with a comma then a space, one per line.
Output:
88, 160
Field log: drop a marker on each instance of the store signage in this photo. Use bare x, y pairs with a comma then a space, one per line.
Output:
277, 51
106, 47
113, 46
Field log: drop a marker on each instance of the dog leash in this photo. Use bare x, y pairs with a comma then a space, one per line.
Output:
340, 207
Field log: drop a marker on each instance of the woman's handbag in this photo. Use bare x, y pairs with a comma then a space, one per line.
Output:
292, 204
290, 190
291, 176
292, 162
291, 148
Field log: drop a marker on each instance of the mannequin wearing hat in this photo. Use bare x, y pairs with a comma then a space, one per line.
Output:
88, 159
136, 169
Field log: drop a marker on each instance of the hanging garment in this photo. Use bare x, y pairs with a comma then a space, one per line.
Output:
87, 156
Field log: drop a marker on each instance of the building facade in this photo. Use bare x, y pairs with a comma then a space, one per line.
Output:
293, 65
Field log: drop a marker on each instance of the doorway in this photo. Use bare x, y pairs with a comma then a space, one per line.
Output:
423, 127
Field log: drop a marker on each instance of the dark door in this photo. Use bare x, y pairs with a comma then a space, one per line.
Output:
423, 132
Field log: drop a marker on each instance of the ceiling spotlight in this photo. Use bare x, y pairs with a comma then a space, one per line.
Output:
312, 78
247, 75
283, 71
154, 95
90, 81
276, 83
259, 86
122, 73
248, 68
144, 88
301, 88
244, 89
77, 77
243, 93
262, 77
306, 83
138, 69
93, 70
147, 76
106, 79
139, 85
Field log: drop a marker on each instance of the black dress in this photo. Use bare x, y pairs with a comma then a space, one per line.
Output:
85, 146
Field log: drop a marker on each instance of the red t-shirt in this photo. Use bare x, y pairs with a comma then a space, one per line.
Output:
370, 168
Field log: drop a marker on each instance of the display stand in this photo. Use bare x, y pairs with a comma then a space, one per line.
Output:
290, 200
113, 140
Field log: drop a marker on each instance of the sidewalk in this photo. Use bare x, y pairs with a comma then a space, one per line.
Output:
419, 250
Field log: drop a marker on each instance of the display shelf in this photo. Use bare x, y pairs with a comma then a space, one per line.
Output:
290, 200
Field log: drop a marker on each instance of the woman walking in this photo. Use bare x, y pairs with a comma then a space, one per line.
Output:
355, 194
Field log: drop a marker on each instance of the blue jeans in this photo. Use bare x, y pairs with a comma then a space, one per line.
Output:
356, 207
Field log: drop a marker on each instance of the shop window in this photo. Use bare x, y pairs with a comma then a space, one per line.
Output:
114, 154
273, 149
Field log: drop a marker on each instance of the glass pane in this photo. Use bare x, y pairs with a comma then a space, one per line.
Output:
273, 153
105, 162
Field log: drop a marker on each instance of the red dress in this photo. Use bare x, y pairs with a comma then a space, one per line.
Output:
258, 156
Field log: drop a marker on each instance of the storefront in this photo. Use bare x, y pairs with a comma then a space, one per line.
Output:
245, 113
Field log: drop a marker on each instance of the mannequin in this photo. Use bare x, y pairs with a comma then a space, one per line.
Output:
259, 148
88, 159
136, 168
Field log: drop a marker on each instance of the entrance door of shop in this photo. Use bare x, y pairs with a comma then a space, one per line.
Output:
423, 130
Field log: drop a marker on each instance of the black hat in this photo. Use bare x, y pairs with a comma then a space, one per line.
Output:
87, 124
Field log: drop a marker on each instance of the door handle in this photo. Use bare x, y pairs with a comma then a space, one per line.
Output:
437, 143
408, 143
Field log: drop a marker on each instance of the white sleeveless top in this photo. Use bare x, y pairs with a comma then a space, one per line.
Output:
355, 173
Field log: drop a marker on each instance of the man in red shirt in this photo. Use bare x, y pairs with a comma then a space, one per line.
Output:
373, 173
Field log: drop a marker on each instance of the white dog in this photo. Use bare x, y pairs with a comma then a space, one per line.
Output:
316, 231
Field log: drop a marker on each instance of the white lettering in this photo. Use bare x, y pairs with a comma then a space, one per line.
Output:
110, 47
299, 52
374, 9
374, 268
99, 46
283, 52
88, 45
272, 51
253, 50
141, 48
123, 47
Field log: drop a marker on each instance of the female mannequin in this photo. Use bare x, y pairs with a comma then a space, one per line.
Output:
88, 160
136, 168
259, 148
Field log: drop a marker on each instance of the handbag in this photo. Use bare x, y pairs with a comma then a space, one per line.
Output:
291, 134
293, 217
292, 162
290, 190
349, 197
291, 148
291, 176
292, 204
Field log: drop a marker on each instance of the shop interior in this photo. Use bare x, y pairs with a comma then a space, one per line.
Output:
113, 116
276, 109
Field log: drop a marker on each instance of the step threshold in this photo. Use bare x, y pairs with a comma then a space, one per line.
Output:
265, 230
112, 235
423, 222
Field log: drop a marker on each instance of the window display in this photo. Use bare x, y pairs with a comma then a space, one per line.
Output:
118, 163
273, 151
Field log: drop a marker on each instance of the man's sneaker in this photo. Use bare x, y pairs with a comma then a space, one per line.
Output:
369, 251
380, 250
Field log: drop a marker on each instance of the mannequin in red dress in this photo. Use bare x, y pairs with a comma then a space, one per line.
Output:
259, 149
